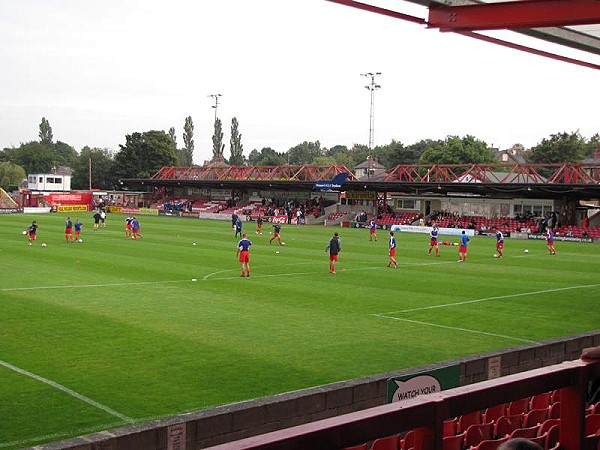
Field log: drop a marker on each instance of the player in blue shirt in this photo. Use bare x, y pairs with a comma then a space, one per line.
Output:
373, 230
550, 241
462, 250
238, 227
276, 231
499, 243
392, 251
243, 254
433, 240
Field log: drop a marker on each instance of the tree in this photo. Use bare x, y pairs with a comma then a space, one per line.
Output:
455, 150
305, 153
561, 147
187, 152
217, 140
593, 145
103, 169
11, 175
235, 142
144, 154
45, 132
64, 154
33, 156
173, 136
266, 157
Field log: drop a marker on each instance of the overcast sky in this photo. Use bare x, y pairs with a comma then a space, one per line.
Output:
288, 70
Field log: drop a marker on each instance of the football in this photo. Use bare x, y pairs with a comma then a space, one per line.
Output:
43, 244
525, 251
24, 232
283, 243
495, 255
80, 240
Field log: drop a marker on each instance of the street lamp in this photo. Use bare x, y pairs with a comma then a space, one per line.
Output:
372, 87
216, 105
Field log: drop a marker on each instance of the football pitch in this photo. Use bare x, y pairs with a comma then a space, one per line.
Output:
112, 331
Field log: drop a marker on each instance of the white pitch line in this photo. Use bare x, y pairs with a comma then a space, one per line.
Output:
499, 297
466, 330
74, 286
68, 391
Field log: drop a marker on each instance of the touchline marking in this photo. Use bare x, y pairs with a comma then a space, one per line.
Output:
485, 299
74, 286
466, 330
68, 391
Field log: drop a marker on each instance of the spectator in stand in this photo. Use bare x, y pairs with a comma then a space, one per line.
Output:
519, 444
586, 222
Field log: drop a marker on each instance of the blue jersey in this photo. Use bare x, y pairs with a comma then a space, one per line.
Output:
499, 237
244, 245
78, 226
464, 240
392, 242
276, 228
373, 225
238, 224
549, 235
434, 235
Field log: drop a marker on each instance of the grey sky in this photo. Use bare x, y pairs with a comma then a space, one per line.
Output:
288, 70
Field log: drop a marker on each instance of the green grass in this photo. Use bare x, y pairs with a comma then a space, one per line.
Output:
121, 323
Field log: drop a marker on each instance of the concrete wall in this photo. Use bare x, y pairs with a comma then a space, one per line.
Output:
226, 423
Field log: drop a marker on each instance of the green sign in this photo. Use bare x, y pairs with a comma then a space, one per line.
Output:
422, 383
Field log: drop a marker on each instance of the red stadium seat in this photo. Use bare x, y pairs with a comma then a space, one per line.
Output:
490, 444
408, 440
554, 411
505, 425
552, 436
535, 417
357, 447
592, 424
527, 433
492, 414
540, 401
547, 425
450, 427
386, 443
453, 442
518, 407
466, 420
477, 433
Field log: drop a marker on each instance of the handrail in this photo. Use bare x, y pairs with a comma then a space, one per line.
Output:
426, 414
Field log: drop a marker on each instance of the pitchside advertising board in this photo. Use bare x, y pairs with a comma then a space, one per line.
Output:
431, 382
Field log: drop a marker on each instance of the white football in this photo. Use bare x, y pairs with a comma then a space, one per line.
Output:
24, 232
283, 243
80, 240
525, 251
193, 243
495, 255
43, 244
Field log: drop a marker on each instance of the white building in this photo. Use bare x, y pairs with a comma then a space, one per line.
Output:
49, 182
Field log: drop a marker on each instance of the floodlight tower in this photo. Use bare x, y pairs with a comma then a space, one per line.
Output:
372, 87
216, 105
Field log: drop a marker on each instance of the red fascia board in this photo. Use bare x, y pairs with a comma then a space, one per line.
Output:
515, 15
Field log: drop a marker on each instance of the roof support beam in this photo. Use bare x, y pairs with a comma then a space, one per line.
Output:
514, 15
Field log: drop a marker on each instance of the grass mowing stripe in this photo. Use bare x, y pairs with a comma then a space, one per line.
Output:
68, 391
499, 297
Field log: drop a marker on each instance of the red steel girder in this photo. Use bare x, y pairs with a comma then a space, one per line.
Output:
515, 14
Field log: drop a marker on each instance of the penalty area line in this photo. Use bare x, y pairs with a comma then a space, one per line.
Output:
446, 327
68, 391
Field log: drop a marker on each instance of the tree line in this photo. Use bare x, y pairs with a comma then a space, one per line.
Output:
144, 153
